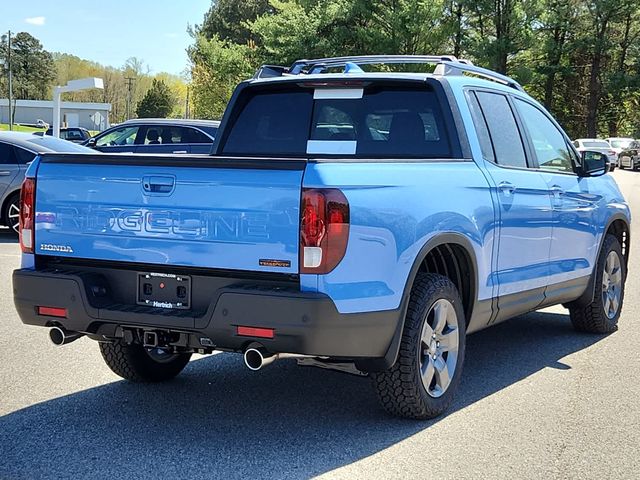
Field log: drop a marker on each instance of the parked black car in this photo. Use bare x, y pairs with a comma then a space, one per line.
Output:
630, 156
157, 136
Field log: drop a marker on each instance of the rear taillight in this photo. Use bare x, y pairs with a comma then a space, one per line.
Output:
27, 214
324, 229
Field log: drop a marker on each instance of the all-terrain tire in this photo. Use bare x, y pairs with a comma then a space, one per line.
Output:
400, 389
134, 363
593, 318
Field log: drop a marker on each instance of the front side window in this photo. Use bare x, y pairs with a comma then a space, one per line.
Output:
548, 142
503, 130
118, 137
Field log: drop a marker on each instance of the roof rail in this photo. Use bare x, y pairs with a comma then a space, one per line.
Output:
456, 68
445, 65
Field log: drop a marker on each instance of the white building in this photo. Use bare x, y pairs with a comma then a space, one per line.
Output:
92, 116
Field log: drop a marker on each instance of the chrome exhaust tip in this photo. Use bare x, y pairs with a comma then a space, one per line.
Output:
59, 336
256, 358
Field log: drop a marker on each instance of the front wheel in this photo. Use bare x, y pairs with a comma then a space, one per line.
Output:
422, 382
140, 364
602, 314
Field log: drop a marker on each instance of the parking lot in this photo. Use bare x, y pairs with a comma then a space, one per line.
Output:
537, 401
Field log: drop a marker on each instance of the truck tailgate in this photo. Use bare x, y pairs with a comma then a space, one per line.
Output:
238, 214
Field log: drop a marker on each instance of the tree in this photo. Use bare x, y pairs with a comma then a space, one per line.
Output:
32, 67
216, 68
229, 20
158, 102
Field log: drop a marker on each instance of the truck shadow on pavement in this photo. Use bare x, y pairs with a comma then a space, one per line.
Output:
7, 236
218, 419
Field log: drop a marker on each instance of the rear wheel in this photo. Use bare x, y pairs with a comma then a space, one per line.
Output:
11, 214
140, 364
422, 382
602, 314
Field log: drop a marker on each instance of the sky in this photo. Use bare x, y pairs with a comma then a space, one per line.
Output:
110, 31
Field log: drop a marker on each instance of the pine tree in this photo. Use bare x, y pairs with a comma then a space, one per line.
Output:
157, 103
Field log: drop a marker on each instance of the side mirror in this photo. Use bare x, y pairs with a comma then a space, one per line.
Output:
91, 142
594, 164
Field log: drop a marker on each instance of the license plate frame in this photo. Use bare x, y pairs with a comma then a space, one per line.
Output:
164, 290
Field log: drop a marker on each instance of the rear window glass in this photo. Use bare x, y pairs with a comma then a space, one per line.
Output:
272, 124
595, 144
382, 122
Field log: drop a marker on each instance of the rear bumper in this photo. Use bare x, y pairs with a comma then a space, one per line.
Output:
304, 323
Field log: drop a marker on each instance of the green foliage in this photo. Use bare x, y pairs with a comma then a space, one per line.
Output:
116, 87
581, 58
32, 66
229, 20
217, 67
158, 102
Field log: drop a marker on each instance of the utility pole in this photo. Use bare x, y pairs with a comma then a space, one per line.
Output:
186, 105
129, 81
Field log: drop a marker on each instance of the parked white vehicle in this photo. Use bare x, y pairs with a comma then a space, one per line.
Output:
618, 144
598, 145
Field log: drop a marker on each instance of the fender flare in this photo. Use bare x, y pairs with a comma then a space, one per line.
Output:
589, 294
381, 364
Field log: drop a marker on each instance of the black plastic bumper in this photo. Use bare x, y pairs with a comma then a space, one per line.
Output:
304, 323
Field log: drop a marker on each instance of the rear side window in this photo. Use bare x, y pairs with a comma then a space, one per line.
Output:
505, 137
7, 156
24, 156
377, 122
196, 136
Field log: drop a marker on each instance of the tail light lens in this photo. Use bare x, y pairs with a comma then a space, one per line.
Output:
27, 214
324, 229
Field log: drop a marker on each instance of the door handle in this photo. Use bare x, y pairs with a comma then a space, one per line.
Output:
4, 173
158, 184
506, 188
179, 151
556, 191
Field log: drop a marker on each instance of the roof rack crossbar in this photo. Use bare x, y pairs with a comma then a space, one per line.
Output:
445, 65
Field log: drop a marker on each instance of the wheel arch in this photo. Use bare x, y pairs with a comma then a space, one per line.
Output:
450, 254
618, 226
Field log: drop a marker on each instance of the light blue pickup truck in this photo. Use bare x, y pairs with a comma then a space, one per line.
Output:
347, 217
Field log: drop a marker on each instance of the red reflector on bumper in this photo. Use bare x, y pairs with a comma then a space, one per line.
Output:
256, 332
53, 312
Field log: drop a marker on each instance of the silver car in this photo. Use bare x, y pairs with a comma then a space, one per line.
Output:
17, 151
598, 145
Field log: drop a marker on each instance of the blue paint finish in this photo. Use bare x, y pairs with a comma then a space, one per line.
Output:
521, 239
395, 209
218, 218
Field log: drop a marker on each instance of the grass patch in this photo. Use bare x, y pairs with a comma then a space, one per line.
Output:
19, 128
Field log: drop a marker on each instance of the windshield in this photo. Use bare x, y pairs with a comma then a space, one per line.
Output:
58, 145
620, 143
602, 144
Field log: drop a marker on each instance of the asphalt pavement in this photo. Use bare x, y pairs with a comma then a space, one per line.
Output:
537, 400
